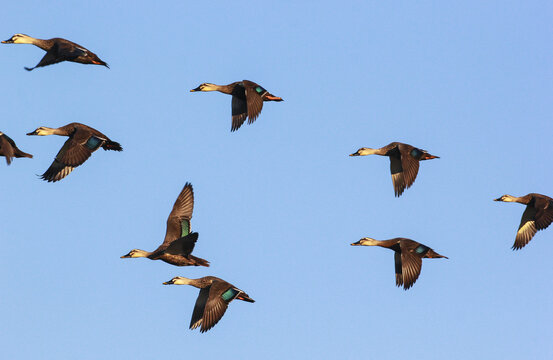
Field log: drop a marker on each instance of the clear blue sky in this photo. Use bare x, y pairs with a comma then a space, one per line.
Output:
278, 202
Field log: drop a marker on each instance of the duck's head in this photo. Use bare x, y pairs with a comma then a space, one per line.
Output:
366, 241
135, 253
205, 87
19, 39
42, 131
363, 151
505, 198
178, 280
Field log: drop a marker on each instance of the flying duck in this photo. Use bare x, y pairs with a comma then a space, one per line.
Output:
247, 99
404, 162
57, 50
179, 242
215, 295
83, 141
9, 149
408, 257
537, 216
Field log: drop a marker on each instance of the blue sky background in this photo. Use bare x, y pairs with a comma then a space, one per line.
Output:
278, 202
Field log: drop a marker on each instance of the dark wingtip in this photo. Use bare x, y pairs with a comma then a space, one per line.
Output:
113, 145
28, 69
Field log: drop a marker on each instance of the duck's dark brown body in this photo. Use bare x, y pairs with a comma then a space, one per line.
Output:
213, 300
538, 215
404, 163
247, 99
58, 50
83, 141
9, 150
179, 242
408, 255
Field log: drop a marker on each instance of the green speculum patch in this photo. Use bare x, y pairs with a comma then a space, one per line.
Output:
185, 228
229, 294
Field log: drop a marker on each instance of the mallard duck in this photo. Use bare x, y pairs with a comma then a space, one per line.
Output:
538, 215
247, 99
215, 295
57, 50
179, 241
404, 162
9, 149
408, 257
83, 141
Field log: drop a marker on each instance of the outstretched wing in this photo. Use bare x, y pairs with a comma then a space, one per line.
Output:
239, 112
527, 228
537, 216
254, 99
410, 166
544, 216
74, 152
397, 175
411, 265
221, 294
51, 57
199, 308
178, 222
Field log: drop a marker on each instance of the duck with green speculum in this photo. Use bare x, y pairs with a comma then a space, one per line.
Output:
212, 302
404, 162
408, 257
247, 99
9, 150
538, 215
83, 141
179, 242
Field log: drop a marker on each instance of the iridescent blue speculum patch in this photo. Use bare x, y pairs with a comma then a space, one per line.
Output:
93, 143
416, 153
420, 249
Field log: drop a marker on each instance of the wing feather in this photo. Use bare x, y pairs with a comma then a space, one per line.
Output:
254, 100
181, 213
239, 112
411, 266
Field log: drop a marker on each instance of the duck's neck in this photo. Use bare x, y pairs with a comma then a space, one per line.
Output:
186, 281
141, 253
44, 131
225, 89
43, 44
369, 151
510, 198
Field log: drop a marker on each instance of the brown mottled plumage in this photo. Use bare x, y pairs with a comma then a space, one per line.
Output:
57, 50
408, 257
404, 162
9, 149
538, 215
179, 242
212, 302
83, 141
247, 99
